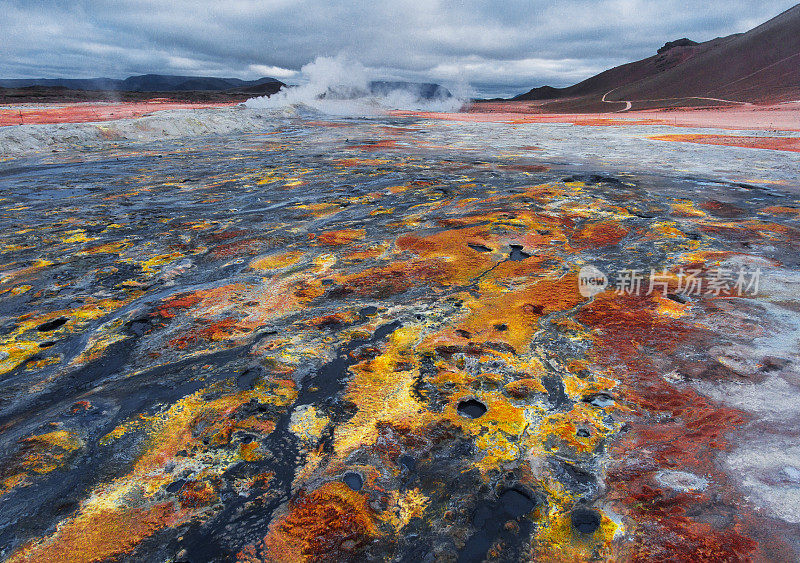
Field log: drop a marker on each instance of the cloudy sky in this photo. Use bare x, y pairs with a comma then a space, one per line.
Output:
497, 46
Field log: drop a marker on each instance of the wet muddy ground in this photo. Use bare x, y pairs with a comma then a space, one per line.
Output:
351, 340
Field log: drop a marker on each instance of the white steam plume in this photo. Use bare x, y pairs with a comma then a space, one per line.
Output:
339, 86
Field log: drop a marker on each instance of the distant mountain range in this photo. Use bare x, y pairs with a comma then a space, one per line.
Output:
176, 85
762, 65
152, 83
420, 90
417, 90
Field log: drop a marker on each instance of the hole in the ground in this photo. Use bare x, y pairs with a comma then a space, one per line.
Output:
471, 408
516, 503
517, 254
52, 325
353, 480
585, 520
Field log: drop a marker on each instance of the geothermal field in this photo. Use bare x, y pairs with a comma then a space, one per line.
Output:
268, 332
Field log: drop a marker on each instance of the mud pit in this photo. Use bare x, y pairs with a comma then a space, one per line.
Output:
366, 340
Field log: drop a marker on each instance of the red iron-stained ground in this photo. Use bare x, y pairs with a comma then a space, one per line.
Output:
29, 114
791, 144
785, 116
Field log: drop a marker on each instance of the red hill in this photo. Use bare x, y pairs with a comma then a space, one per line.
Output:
760, 66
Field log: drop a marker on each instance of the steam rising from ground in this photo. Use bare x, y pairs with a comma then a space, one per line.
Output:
334, 86
338, 86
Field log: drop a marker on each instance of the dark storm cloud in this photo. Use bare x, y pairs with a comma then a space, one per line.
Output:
512, 45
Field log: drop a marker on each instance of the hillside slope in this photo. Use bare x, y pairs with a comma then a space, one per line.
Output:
762, 65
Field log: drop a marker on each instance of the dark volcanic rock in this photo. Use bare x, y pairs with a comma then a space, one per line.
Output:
677, 43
